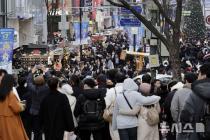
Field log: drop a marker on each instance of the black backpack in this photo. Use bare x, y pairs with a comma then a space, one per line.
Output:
92, 110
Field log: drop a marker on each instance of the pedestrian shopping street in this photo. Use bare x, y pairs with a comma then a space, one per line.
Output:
104, 70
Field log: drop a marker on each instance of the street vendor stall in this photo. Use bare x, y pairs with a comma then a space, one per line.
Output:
33, 54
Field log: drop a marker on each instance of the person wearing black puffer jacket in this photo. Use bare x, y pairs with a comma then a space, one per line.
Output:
89, 111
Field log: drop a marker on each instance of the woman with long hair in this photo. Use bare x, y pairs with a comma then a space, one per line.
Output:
11, 126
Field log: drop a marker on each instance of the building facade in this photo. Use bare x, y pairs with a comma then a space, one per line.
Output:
28, 18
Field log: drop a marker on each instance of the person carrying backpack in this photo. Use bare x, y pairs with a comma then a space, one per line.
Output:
195, 116
89, 111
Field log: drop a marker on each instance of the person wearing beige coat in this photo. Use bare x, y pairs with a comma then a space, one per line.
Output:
11, 126
145, 131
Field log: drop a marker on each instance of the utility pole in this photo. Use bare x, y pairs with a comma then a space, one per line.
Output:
63, 21
4, 13
63, 27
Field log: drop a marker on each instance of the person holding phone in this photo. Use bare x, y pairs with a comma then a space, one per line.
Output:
38, 89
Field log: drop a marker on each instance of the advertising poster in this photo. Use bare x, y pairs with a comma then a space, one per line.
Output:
96, 3
139, 37
115, 18
6, 48
84, 32
130, 37
76, 35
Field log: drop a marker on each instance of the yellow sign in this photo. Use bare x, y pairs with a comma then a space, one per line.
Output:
154, 61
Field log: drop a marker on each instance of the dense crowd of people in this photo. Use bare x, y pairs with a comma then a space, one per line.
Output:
55, 108
100, 100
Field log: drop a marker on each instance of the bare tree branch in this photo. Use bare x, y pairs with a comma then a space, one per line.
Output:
115, 3
147, 23
162, 11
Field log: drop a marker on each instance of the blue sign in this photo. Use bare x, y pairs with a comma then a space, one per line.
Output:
84, 32
130, 22
139, 37
76, 35
115, 20
6, 48
141, 32
84, 35
126, 11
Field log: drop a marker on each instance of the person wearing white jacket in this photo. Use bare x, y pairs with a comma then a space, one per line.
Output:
68, 91
110, 100
145, 131
127, 125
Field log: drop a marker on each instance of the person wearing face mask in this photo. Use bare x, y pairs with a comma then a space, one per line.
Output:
156, 85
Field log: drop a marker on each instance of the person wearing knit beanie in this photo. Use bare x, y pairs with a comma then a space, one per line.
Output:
145, 89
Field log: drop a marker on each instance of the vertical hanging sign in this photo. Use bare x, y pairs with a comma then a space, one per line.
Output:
84, 33
76, 34
6, 48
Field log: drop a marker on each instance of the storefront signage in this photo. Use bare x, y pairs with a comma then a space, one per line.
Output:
130, 22
6, 48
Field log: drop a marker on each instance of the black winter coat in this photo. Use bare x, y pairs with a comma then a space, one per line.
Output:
167, 107
167, 111
77, 91
89, 94
56, 116
193, 110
